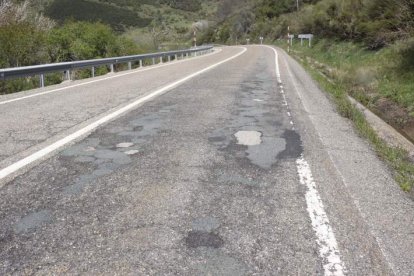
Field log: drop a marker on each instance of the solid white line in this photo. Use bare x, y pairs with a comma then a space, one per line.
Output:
55, 146
325, 237
135, 71
328, 247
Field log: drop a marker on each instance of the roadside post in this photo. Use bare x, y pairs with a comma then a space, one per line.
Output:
291, 37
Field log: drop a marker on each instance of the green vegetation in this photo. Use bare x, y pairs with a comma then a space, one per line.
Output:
369, 75
364, 48
395, 157
345, 68
83, 10
376, 23
27, 39
186, 5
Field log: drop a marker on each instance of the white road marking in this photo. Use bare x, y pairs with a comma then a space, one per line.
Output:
328, 247
55, 146
325, 237
135, 71
380, 244
131, 152
124, 145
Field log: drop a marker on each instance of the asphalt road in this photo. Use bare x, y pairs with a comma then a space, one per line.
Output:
233, 163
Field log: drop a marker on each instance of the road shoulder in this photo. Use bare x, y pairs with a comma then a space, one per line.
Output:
367, 182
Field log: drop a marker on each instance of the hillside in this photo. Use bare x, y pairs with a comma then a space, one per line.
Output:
119, 18
125, 14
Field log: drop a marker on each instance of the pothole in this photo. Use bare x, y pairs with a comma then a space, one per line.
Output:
196, 239
32, 221
249, 138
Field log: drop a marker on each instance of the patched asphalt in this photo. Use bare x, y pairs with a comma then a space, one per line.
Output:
199, 181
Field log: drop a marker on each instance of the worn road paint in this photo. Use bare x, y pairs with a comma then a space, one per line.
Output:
139, 70
124, 145
328, 247
57, 145
325, 237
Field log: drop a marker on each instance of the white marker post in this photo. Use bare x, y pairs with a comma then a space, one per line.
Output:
291, 37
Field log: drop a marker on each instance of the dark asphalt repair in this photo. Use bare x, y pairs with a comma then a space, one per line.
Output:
167, 189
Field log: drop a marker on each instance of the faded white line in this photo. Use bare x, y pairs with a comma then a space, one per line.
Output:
135, 71
328, 247
55, 146
325, 237
379, 242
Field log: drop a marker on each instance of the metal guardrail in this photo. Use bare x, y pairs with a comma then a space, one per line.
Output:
67, 67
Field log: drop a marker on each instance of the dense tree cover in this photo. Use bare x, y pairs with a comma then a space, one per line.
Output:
83, 40
22, 43
186, 5
377, 23
27, 38
118, 18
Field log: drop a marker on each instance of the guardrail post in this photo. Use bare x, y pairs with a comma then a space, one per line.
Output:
112, 68
129, 65
140, 63
93, 71
169, 58
42, 80
176, 57
67, 75
153, 61
160, 59
187, 55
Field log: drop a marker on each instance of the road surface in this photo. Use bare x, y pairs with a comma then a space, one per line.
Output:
232, 163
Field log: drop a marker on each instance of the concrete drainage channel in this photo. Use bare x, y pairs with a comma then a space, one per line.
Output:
384, 130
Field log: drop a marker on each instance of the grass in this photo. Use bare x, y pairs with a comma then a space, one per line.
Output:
382, 72
347, 59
